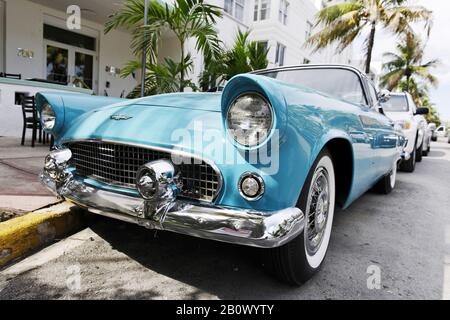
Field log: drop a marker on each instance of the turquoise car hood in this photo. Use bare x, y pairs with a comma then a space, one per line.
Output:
191, 101
145, 121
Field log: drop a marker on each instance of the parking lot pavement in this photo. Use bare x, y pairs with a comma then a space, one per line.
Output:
20, 190
405, 236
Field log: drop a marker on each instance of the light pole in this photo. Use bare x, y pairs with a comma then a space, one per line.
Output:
144, 53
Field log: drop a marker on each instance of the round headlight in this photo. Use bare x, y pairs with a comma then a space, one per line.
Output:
250, 119
48, 117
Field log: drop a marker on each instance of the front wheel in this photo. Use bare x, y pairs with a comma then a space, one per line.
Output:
426, 152
297, 261
419, 153
409, 165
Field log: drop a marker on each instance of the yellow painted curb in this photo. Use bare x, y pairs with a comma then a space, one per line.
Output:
20, 235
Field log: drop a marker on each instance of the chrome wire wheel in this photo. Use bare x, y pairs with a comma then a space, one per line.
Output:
317, 210
297, 261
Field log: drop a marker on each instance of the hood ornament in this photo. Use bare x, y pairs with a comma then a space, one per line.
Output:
119, 117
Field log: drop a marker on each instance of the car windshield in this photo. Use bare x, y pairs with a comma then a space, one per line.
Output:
340, 83
396, 104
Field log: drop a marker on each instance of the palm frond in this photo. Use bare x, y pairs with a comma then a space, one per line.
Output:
391, 79
400, 18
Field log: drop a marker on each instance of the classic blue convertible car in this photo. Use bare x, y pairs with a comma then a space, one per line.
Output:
261, 164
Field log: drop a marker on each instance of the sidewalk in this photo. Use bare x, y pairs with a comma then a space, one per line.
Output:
20, 190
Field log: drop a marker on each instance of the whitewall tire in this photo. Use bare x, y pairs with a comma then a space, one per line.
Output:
297, 261
326, 200
387, 183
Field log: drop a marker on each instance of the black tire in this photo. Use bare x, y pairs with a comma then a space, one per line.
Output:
426, 152
387, 183
291, 263
419, 153
409, 165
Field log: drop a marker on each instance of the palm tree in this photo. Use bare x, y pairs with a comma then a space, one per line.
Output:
161, 78
418, 91
245, 56
342, 23
433, 115
406, 65
186, 19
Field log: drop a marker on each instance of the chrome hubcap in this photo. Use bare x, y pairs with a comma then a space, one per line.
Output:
317, 210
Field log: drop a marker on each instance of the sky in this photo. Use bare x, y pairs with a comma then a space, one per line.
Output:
438, 46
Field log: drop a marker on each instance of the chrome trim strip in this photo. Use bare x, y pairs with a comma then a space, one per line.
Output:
180, 153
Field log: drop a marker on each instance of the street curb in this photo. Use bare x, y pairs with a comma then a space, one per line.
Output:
20, 235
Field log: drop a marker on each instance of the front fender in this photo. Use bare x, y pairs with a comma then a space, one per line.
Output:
329, 136
69, 106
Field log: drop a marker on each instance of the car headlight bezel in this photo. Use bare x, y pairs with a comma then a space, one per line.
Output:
252, 134
48, 117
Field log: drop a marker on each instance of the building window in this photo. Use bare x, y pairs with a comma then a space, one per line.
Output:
264, 44
71, 38
262, 10
235, 8
71, 58
280, 54
283, 13
309, 29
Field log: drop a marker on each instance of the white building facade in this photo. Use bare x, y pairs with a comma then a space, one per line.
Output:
34, 38
33, 34
282, 25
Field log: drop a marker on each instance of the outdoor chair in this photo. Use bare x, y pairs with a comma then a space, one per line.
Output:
30, 120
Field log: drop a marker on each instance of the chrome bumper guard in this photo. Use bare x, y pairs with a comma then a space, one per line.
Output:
238, 226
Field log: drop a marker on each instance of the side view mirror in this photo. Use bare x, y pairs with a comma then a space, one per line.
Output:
384, 96
422, 111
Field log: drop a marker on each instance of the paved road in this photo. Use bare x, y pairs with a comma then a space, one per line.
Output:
406, 235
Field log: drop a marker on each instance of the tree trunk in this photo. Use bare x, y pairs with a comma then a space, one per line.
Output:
182, 67
370, 43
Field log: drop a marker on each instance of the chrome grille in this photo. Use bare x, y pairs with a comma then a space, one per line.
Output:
117, 164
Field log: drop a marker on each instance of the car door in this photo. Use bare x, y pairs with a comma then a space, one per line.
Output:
366, 151
385, 139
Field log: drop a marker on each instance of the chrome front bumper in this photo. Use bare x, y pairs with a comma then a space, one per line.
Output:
239, 226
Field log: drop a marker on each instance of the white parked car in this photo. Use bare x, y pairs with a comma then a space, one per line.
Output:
404, 112
441, 131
